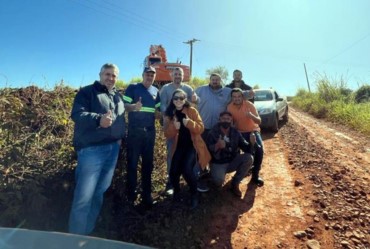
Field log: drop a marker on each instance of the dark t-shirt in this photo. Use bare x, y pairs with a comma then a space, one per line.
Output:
243, 86
184, 140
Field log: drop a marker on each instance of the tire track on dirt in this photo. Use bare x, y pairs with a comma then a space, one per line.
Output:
276, 204
343, 147
267, 216
333, 168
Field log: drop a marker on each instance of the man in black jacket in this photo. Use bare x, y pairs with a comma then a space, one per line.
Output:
224, 143
239, 83
98, 114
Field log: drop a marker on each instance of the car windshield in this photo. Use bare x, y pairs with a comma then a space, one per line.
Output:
263, 95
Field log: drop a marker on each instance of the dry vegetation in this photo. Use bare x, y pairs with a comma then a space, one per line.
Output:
37, 161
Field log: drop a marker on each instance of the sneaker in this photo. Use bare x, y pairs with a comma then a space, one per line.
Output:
169, 189
258, 180
148, 204
202, 187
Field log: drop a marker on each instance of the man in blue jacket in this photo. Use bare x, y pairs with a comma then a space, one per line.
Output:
98, 114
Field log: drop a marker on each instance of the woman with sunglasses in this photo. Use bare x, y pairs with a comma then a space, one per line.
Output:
183, 123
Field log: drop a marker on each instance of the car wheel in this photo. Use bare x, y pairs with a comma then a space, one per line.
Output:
275, 125
286, 115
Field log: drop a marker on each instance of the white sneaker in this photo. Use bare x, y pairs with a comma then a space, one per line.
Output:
169, 191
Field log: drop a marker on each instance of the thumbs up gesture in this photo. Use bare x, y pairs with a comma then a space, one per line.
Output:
221, 143
106, 119
185, 120
194, 97
249, 114
138, 105
176, 123
252, 138
250, 94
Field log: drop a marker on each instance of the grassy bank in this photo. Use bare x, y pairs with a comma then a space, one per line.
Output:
335, 102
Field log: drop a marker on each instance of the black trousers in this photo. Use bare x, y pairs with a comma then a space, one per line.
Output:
140, 143
182, 163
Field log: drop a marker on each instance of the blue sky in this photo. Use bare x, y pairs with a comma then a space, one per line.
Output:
45, 41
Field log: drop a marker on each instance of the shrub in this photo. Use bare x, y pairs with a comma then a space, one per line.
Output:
363, 94
332, 90
340, 109
356, 116
197, 82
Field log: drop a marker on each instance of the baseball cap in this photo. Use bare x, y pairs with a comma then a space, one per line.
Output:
149, 69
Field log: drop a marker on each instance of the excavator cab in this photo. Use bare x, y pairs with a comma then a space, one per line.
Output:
158, 59
155, 60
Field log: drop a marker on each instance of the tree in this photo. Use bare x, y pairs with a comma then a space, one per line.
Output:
363, 94
136, 80
120, 84
221, 70
197, 82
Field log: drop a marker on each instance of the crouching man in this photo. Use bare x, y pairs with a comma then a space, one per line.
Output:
224, 143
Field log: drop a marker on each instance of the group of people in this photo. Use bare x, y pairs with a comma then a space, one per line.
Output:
205, 131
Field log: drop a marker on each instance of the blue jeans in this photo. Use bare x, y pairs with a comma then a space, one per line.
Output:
94, 172
240, 164
140, 143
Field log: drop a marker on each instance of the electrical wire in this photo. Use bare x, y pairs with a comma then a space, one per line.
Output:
131, 18
347, 48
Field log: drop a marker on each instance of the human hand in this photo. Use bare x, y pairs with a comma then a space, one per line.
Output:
138, 105
176, 123
249, 114
194, 97
252, 138
106, 120
251, 94
185, 120
221, 143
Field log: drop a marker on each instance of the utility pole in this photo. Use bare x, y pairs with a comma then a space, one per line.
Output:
308, 83
191, 53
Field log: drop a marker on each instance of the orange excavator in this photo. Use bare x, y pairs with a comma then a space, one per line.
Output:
157, 58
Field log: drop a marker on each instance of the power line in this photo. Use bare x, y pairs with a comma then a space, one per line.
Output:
347, 48
147, 20
133, 19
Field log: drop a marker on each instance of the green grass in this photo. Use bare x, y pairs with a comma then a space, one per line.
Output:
335, 102
354, 115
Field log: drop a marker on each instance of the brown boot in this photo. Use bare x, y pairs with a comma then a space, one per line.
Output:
235, 188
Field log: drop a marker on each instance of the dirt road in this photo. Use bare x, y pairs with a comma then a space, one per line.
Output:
316, 195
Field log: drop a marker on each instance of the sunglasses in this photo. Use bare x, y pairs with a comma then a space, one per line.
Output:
178, 98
